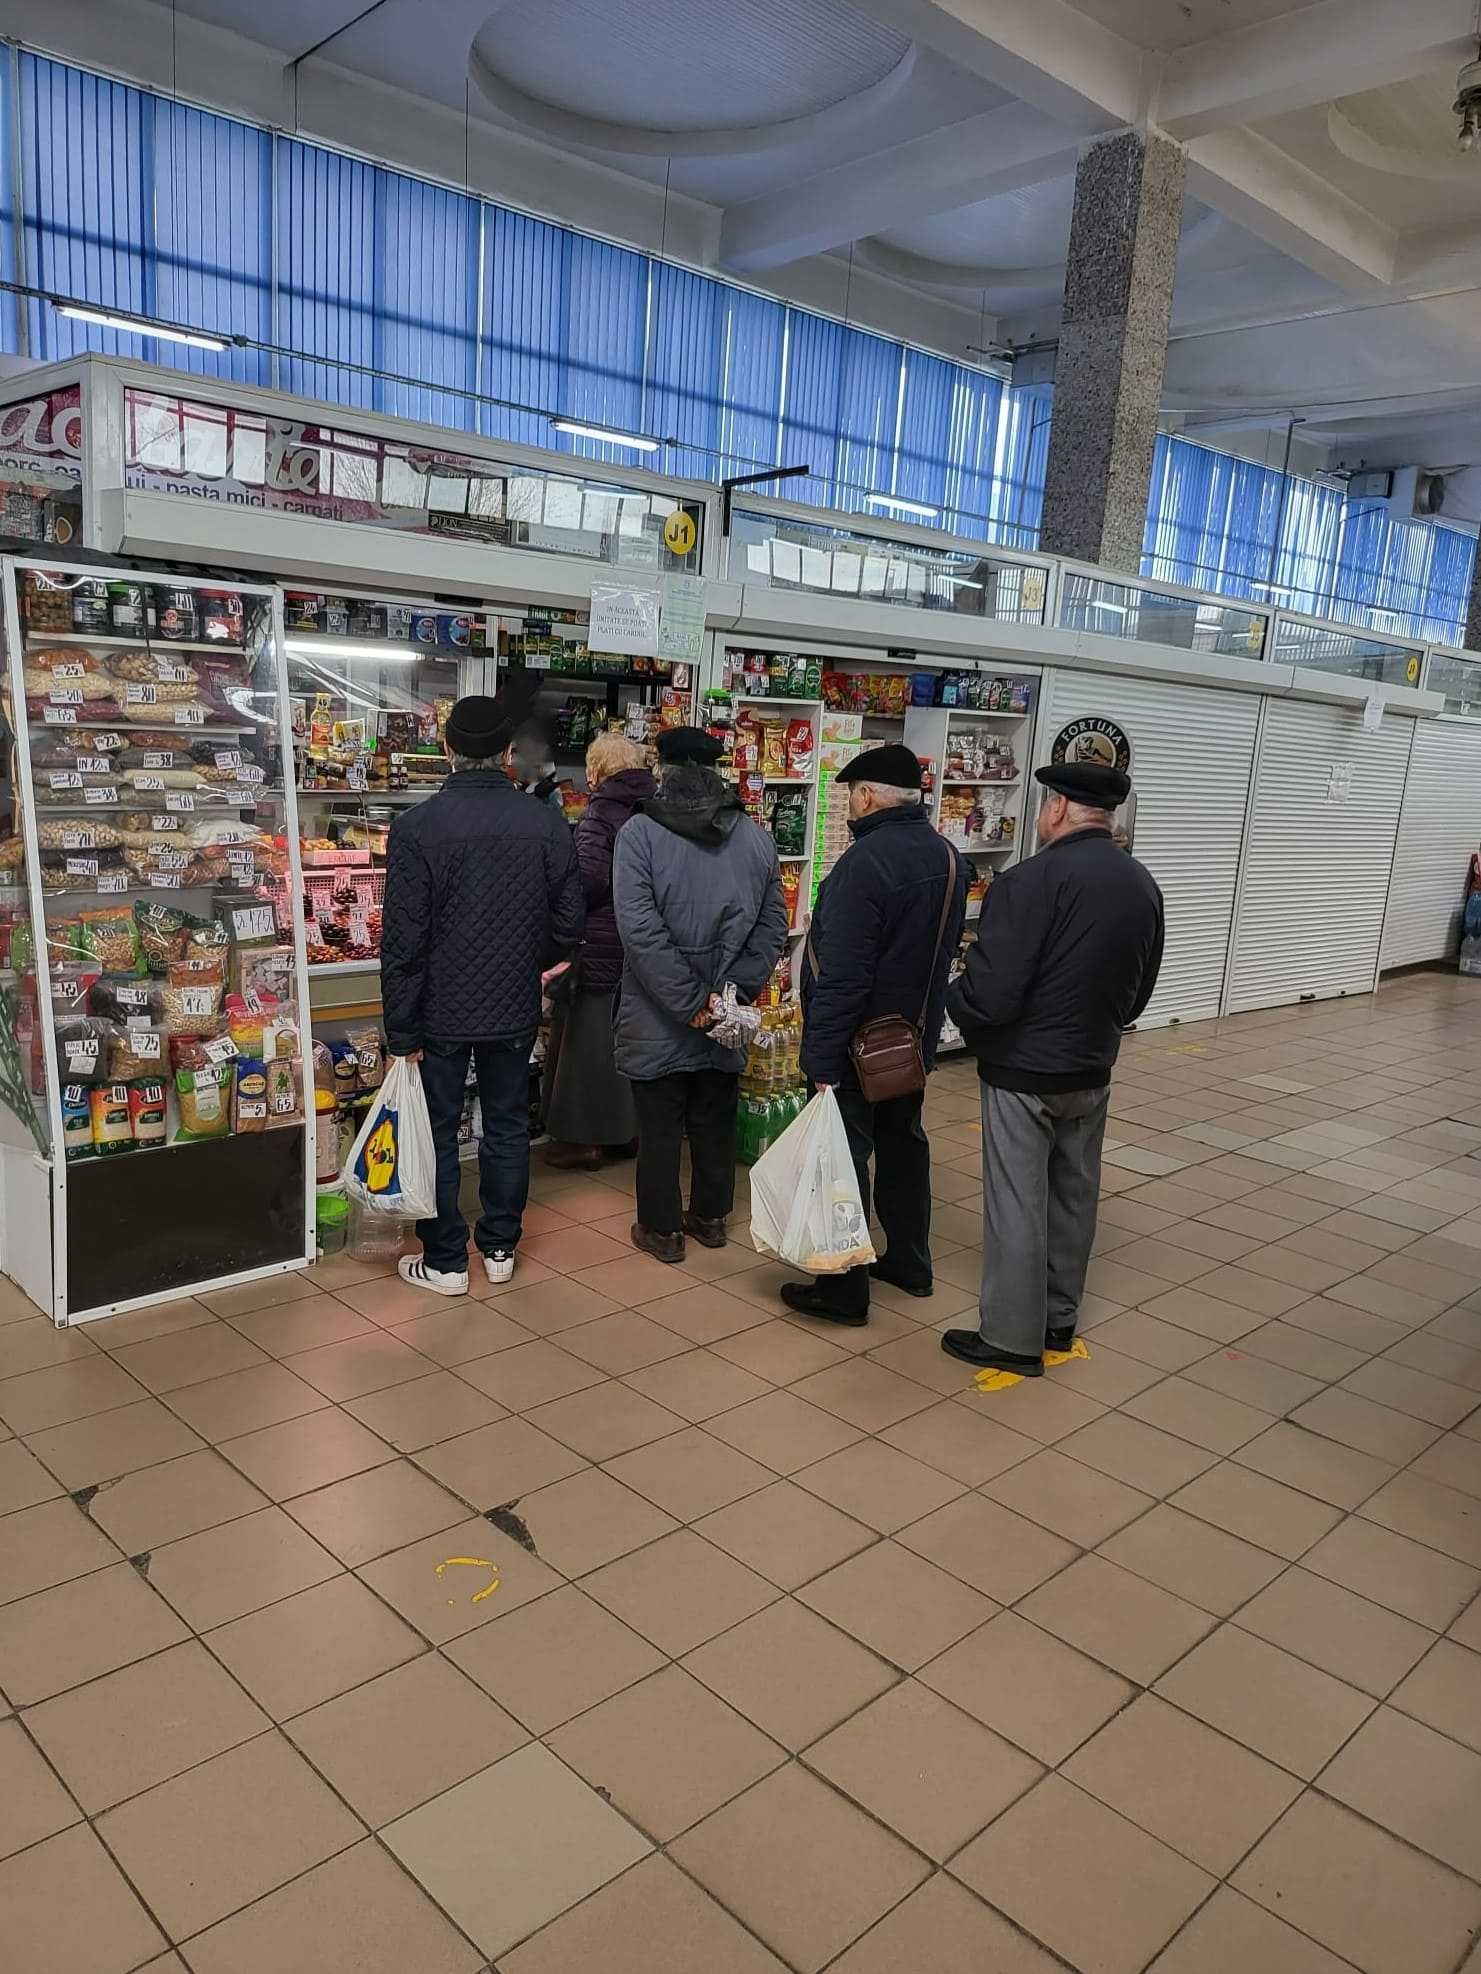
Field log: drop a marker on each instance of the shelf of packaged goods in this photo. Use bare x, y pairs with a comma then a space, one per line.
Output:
202, 805
974, 713
369, 797
40, 640
777, 699
788, 781
995, 781
163, 722
141, 887
330, 969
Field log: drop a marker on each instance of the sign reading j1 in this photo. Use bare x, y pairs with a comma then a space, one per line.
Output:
1092, 740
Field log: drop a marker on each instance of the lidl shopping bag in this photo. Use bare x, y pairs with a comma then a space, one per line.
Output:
805, 1204
392, 1167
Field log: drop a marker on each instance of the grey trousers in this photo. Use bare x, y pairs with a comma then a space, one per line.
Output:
1040, 1191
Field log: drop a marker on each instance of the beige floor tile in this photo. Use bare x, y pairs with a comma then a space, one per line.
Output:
34, 1344
527, 1375
112, 1443
1201, 1793
775, 1351
156, 1505
783, 1431
302, 1325
1314, 1356
457, 1333
679, 1591
1467, 1627
1341, 1322
1358, 1891
1134, 1627
568, 1248
357, 1914
919, 1356
443, 1607
898, 1604
707, 1313
388, 1301
1149, 1340
771, 1857
62, 1392
786, 1534
1198, 1308
1257, 1509
50, 1543
864, 1394
199, 1846
245, 1401
945, 1928
1042, 1408
1431, 1513
963, 1444
225, 1572
1033, 1688
1215, 1571
1444, 1690
1139, 1455
1127, 1895
697, 1384
403, 1738
513, 1847
141, 1725
78, 1630
1290, 1712
1340, 1475
1333, 1628
1191, 1412
625, 1341
651, 1917
1231, 1935
666, 1752
690, 1474
33, 1804
790, 1673
878, 1485
589, 1519
1107, 1376
1388, 1382
1254, 1381
265, 1294
309, 1648
359, 1365
308, 1452
69, 1910
554, 1658
1071, 1499
500, 1462
1421, 1785
604, 1421
989, 1547
189, 1357
1390, 1569
932, 1774
1379, 1298
371, 1513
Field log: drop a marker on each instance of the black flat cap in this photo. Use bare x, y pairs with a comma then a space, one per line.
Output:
676, 744
1090, 783
479, 727
892, 767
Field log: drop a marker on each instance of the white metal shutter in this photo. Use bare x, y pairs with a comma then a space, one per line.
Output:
1192, 749
1439, 828
1317, 868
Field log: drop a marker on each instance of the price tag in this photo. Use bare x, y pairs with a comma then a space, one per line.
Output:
239, 858
79, 839
359, 931
196, 1001
65, 695
132, 997
59, 716
140, 695
179, 802
149, 784
159, 824
145, 1044
252, 1000
74, 1094
65, 781
71, 670
223, 1049
190, 716
254, 777
172, 859
101, 797
93, 764
82, 867
284, 1104
174, 674
229, 757
81, 1058
153, 760
108, 743
357, 776
253, 922
113, 880
165, 880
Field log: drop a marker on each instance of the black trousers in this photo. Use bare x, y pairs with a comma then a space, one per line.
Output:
698, 1104
893, 1135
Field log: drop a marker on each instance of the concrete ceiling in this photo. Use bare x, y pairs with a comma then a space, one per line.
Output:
913, 160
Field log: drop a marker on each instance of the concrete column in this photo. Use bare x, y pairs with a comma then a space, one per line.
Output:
1112, 348
1471, 637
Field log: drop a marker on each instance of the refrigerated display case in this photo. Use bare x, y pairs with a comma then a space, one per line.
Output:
154, 991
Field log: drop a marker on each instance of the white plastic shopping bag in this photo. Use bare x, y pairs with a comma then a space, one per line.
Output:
392, 1167
805, 1204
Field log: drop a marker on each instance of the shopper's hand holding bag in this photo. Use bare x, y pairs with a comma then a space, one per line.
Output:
805, 1203
392, 1167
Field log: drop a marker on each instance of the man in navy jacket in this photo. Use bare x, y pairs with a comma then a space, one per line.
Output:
879, 946
483, 894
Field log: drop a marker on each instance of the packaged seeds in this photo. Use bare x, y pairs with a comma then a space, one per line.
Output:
799, 749
162, 930
147, 1111
112, 939
192, 1004
366, 1043
135, 1052
112, 1129
789, 822
203, 1091
250, 1099
82, 1048
284, 1091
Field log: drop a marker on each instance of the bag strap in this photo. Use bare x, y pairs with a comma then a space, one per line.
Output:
811, 956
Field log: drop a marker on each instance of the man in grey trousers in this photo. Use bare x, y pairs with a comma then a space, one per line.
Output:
1067, 956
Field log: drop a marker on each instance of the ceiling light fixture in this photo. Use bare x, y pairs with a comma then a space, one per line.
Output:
1467, 105
915, 507
375, 654
141, 325
607, 437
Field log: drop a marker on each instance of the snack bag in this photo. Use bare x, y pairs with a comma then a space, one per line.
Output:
799, 750
392, 1167
805, 1204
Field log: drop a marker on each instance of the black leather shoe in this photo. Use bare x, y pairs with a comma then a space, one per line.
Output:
663, 1247
709, 1233
881, 1273
808, 1299
1059, 1339
969, 1346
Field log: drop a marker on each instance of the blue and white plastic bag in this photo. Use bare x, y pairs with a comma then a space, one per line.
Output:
392, 1167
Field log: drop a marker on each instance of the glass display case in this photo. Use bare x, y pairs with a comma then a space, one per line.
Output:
153, 987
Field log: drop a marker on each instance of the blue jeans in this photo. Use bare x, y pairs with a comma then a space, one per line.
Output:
503, 1075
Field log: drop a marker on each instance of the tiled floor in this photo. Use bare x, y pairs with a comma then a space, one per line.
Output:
803, 1653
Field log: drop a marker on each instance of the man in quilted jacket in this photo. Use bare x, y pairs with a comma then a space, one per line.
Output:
483, 894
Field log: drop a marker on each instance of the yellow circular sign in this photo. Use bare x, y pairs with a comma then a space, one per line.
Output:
1411, 671
679, 532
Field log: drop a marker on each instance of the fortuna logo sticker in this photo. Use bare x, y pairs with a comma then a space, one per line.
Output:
1092, 740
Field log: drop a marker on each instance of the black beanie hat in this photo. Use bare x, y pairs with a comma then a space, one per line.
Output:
479, 727
676, 744
892, 766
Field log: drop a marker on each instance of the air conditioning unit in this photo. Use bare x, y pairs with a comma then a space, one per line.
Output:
1424, 493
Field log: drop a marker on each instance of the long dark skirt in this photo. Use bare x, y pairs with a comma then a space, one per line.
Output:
587, 1100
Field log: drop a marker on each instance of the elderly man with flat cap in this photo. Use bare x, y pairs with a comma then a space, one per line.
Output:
1067, 956
887, 922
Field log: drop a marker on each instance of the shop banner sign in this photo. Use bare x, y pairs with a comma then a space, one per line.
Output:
41, 438
624, 618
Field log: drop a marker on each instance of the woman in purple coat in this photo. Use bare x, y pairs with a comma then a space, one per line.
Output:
588, 1104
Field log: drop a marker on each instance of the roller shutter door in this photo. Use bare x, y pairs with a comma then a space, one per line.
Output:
1439, 828
1192, 750
1319, 852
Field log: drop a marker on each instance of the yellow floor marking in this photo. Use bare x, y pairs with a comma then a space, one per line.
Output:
1076, 1349
472, 1563
998, 1380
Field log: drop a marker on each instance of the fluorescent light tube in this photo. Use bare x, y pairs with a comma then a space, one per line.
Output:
136, 325
329, 647
903, 506
607, 437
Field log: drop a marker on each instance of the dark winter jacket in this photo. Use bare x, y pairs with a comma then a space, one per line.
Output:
699, 903
1067, 956
482, 894
873, 932
614, 802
